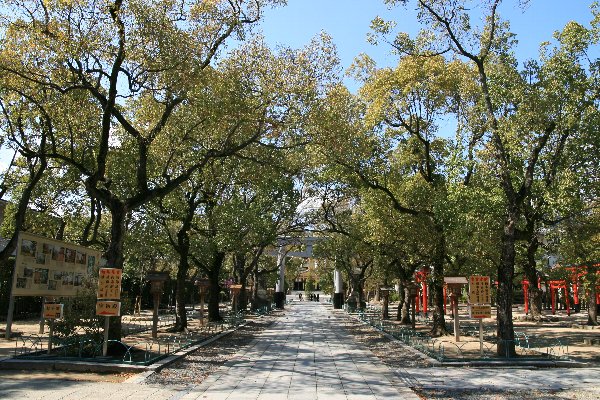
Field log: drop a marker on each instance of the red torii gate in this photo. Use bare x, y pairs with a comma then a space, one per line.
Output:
421, 297
555, 285
577, 271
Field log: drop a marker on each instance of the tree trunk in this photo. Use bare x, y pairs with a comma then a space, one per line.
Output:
241, 272
183, 248
385, 314
114, 254
439, 322
215, 288
405, 317
181, 321
243, 296
260, 299
592, 307
506, 272
535, 293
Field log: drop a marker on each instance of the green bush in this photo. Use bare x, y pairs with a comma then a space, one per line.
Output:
79, 317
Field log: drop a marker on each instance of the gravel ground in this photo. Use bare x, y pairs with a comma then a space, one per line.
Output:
396, 356
390, 352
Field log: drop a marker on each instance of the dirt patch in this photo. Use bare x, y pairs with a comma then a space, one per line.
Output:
64, 375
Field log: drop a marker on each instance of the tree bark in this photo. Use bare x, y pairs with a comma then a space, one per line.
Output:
404, 305
214, 293
506, 271
181, 321
114, 254
592, 307
34, 177
535, 293
439, 322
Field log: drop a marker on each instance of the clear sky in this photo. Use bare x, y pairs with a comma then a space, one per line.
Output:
348, 21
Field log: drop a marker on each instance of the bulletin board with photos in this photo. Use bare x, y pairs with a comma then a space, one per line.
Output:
48, 267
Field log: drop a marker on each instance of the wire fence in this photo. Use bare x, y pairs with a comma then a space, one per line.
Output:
132, 348
526, 347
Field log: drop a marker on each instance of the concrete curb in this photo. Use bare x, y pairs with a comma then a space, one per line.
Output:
514, 363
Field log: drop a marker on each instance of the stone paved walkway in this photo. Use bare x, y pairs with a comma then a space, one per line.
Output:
302, 356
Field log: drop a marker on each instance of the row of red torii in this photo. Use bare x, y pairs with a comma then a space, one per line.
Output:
555, 286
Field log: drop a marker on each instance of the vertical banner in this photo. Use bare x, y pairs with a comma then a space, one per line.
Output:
109, 283
479, 290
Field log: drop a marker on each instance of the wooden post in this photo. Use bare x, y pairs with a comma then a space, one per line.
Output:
413, 312
11, 304
50, 334
42, 319
454, 298
105, 344
481, 337
156, 299
201, 307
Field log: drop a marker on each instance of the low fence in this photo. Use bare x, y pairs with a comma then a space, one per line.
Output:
87, 347
526, 346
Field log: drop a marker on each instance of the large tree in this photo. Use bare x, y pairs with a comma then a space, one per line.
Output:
524, 112
143, 73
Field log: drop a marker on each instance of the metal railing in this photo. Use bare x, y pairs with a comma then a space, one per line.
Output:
89, 346
526, 346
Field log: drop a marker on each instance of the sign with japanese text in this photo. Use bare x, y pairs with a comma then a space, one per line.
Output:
480, 311
109, 283
479, 289
108, 308
48, 267
53, 311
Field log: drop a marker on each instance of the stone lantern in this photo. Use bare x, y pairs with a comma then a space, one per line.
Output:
203, 284
413, 289
455, 285
157, 281
385, 293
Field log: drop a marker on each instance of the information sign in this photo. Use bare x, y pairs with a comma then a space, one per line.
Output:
480, 311
108, 308
109, 283
48, 267
53, 311
479, 290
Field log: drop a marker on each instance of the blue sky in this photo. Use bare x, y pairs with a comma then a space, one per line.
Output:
347, 21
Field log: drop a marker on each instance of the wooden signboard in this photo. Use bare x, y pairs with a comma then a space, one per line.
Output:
235, 288
53, 311
109, 283
48, 267
479, 289
480, 311
108, 308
